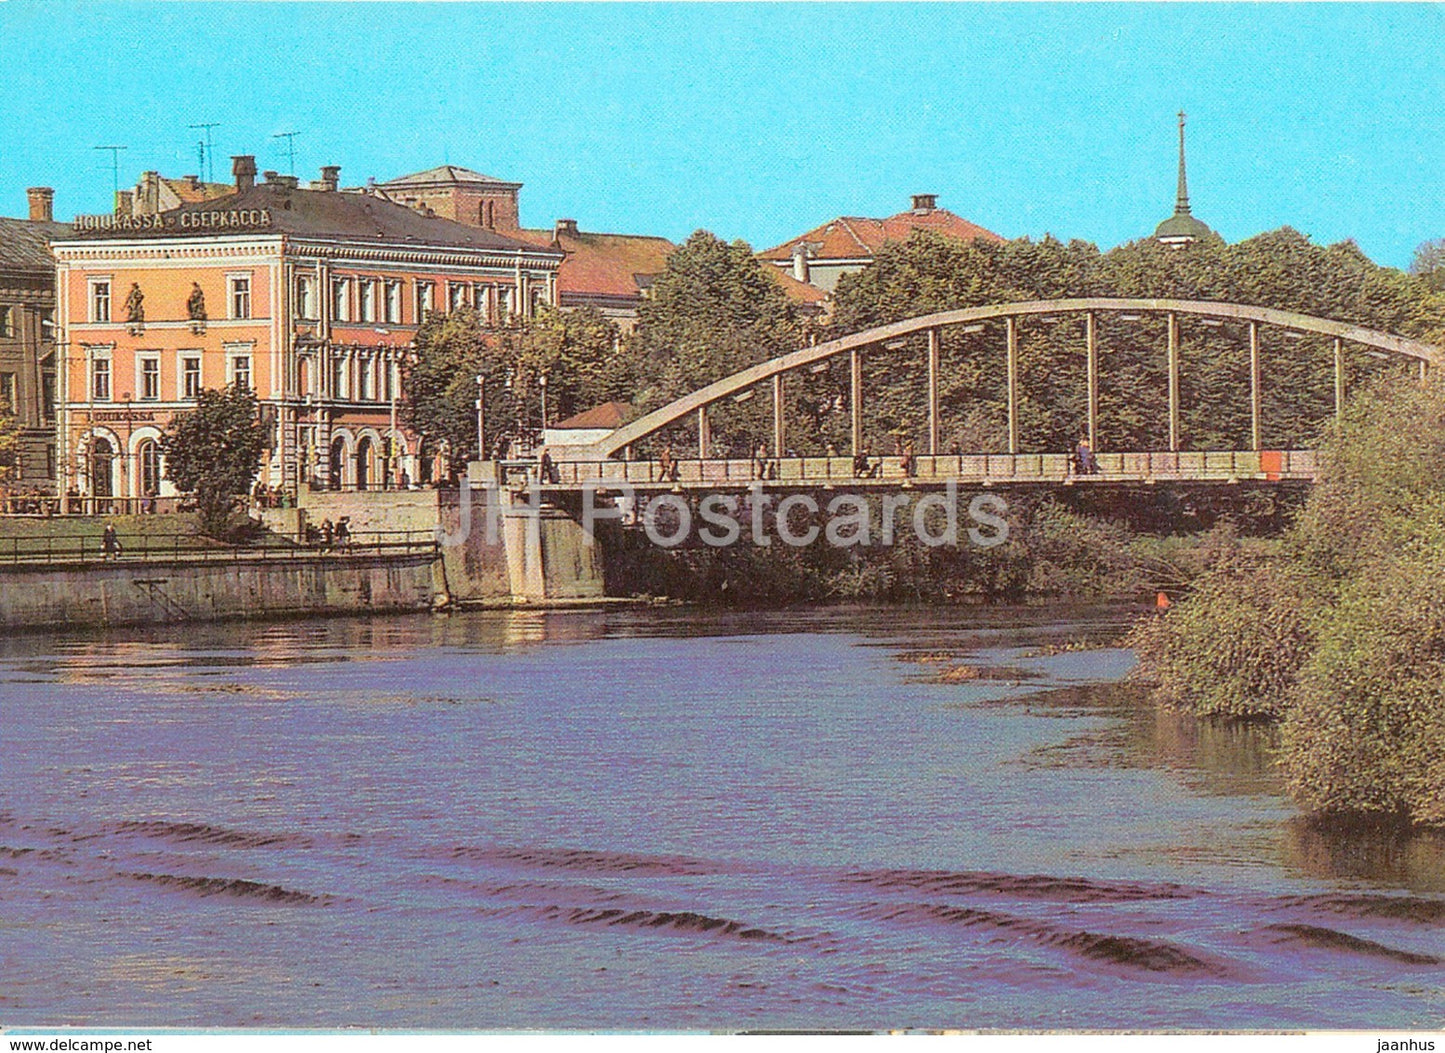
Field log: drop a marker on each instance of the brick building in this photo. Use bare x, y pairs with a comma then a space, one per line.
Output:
310, 297
27, 340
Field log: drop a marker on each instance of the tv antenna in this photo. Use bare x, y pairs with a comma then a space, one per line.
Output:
114, 173
290, 138
210, 174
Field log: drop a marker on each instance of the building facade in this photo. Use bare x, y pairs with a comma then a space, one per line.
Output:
28, 376
309, 297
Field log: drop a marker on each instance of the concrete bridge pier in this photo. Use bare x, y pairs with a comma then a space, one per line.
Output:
549, 556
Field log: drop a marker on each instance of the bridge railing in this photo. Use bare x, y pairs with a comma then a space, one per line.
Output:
1209, 465
189, 548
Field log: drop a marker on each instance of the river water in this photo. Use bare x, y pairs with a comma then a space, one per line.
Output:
667, 820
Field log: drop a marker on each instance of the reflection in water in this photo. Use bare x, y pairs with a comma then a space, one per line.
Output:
1388, 857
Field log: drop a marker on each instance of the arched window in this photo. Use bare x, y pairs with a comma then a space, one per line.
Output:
102, 463
149, 455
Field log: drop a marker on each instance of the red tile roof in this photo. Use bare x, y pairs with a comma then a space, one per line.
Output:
855, 237
603, 264
607, 415
798, 292
446, 175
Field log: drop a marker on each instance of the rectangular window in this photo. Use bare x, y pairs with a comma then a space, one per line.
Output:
425, 297
49, 461
456, 296
338, 377
149, 382
7, 320
240, 298
191, 377
341, 300
100, 300
305, 297
393, 301
504, 304
367, 291
241, 371
47, 395
365, 373
100, 380
7, 393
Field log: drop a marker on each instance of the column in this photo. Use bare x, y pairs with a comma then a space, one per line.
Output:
856, 360
1254, 398
1093, 380
704, 437
1173, 381
1013, 385
779, 435
1339, 377
933, 354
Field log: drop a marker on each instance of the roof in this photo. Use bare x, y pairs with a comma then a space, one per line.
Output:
24, 243
852, 237
604, 264
608, 415
798, 292
320, 213
1182, 225
446, 174
191, 191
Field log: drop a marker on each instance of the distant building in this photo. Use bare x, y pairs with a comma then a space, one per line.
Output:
155, 194
848, 244
310, 297
1181, 228
589, 426
27, 339
610, 272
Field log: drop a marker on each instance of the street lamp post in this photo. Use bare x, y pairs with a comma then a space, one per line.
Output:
542, 386
391, 459
481, 434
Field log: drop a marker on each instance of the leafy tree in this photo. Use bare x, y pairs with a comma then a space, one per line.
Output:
10, 432
441, 384
214, 451
579, 352
1429, 263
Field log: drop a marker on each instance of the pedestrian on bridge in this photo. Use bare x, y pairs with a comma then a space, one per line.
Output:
1084, 463
762, 465
110, 542
667, 465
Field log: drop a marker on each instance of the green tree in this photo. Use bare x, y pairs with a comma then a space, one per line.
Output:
214, 451
1428, 263
712, 312
440, 385
10, 432
581, 355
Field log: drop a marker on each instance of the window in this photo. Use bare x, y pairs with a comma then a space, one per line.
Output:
305, 296
365, 376
367, 291
393, 301
456, 296
7, 320
47, 395
190, 376
425, 295
7, 393
504, 304
341, 300
241, 371
150, 467
100, 380
100, 300
240, 298
149, 381
338, 377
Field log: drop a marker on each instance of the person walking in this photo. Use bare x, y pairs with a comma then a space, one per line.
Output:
110, 542
1084, 462
760, 461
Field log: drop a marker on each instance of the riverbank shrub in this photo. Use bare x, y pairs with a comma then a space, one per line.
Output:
1341, 635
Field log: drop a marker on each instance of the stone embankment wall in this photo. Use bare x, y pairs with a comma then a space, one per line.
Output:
134, 592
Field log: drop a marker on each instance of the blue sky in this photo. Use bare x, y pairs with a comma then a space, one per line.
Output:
759, 122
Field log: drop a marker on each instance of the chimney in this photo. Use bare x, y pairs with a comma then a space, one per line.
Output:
330, 177
564, 226
243, 167
193, 182
269, 176
925, 202
125, 203
800, 262
42, 203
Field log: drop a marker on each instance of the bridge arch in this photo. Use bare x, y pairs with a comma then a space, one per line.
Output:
698, 401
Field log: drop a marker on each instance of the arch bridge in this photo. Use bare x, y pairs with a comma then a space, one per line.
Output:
609, 458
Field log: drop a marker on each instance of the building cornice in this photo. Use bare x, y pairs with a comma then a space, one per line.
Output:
339, 250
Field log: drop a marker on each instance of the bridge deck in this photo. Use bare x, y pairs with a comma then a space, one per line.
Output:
1220, 466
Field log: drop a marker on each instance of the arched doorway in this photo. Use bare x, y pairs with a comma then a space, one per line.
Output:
425, 454
363, 463
102, 468
337, 463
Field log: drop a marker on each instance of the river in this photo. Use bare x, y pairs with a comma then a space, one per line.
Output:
661, 819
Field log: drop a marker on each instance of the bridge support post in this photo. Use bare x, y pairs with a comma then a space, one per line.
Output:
933, 353
1254, 404
704, 434
779, 427
1093, 378
856, 361
1013, 384
1173, 382
1339, 377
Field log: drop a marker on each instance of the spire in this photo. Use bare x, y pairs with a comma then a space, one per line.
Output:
1181, 203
